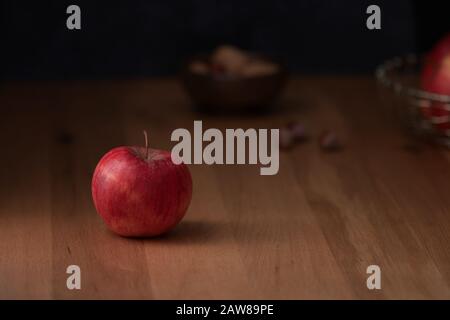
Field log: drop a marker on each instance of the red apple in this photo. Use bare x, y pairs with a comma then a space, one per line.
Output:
435, 78
433, 61
140, 192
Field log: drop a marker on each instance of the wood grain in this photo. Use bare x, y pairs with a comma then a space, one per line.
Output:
309, 232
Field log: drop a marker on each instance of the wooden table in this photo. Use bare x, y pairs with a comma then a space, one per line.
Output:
309, 232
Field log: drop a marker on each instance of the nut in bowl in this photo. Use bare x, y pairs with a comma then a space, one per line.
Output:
233, 80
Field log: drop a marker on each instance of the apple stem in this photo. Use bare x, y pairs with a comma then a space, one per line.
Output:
146, 144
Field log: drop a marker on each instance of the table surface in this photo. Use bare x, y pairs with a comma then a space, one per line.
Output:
309, 232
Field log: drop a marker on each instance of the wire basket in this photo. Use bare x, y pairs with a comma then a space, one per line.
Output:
424, 114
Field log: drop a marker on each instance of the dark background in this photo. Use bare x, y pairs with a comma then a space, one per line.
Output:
140, 38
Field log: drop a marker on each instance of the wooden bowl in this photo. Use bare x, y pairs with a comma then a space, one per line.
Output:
233, 94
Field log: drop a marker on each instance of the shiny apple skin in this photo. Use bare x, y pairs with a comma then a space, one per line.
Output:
138, 196
433, 62
435, 78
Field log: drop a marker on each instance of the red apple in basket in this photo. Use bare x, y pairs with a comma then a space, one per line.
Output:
435, 78
140, 192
